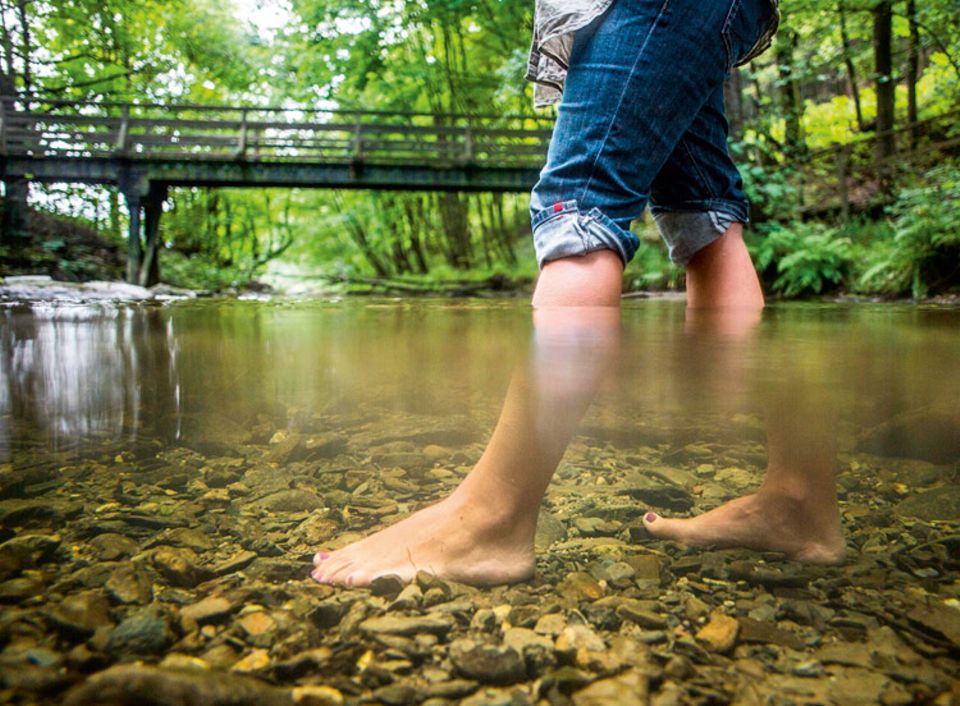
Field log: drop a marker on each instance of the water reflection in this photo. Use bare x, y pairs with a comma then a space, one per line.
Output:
884, 379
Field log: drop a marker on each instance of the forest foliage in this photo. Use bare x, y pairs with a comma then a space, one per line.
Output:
844, 131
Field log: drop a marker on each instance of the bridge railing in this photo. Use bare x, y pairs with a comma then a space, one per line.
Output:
154, 131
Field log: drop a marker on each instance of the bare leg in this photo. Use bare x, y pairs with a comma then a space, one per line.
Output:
483, 532
795, 510
722, 276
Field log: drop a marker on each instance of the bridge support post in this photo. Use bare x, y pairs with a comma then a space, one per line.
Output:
134, 246
153, 208
16, 213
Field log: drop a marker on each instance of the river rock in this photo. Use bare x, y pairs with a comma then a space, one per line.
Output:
637, 612
612, 571
258, 627
720, 633
209, 610
177, 566
130, 584
490, 664
941, 503
79, 615
407, 625
144, 633
112, 546
20, 589
627, 689
316, 695
537, 651
551, 624
549, 530
580, 585
135, 685
388, 586
578, 637
30, 550
291, 500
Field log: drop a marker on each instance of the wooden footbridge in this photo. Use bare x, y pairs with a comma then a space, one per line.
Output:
144, 149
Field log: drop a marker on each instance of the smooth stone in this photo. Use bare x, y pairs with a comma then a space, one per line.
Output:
646, 568
112, 546
141, 684
580, 585
497, 697
237, 562
407, 625
130, 584
176, 660
490, 664
627, 689
178, 568
291, 500
395, 694
449, 689
667, 497
537, 651
20, 589
720, 633
316, 695
142, 634
612, 571
257, 660
258, 627
551, 624
209, 610
409, 597
758, 631
636, 612
578, 637
549, 530
933, 505
31, 549
79, 615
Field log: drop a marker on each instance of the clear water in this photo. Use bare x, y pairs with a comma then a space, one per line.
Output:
78, 379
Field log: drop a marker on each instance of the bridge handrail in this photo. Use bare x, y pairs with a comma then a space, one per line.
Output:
244, 135
221, 108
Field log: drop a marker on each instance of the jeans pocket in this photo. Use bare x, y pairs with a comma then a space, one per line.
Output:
746, 23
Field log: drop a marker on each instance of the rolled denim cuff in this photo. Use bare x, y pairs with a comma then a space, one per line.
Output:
688, 229
562, 230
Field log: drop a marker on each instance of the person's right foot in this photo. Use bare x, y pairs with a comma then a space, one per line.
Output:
765, 521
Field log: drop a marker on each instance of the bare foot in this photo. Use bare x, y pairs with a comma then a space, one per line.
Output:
455, 539
766, 521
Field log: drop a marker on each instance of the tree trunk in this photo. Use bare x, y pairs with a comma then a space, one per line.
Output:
883, 67
851, 71
913, 71
790, 102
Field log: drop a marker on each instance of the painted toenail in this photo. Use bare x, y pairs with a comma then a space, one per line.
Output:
650, 516
321, 556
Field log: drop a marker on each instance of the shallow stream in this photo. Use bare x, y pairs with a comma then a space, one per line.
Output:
168, 470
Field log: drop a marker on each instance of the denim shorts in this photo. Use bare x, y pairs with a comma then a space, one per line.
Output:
642, 122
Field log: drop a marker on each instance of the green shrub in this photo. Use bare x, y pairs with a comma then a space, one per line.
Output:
801, 259
923, 256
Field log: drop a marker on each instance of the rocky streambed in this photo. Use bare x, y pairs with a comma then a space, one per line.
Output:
149, 573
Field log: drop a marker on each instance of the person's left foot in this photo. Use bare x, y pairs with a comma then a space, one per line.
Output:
455, 539
767, 521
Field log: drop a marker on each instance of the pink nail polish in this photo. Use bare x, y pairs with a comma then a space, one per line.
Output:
650, 517
322, 555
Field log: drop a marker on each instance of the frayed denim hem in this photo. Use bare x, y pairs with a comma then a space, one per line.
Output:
687, 231
562, 230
